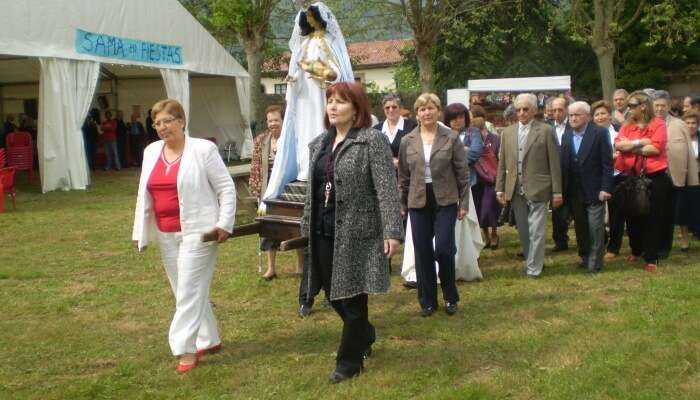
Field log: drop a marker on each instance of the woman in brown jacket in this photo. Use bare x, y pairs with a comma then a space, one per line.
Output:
264, 151
433, 185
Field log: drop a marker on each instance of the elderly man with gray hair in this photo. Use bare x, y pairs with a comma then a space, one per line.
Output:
682, 166
587, 181
529, 176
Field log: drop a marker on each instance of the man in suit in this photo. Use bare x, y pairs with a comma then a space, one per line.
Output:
587, 181
682, 166
529, 176
560, 216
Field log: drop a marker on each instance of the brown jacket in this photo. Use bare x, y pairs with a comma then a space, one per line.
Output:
259, 164
541, 167
448, 168
681, 157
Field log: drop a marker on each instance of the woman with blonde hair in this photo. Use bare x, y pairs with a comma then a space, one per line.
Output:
434, 190
185, 192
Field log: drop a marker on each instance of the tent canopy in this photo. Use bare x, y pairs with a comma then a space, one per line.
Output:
55, 51
39, 28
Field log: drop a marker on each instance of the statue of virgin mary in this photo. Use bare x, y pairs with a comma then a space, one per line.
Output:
319, 58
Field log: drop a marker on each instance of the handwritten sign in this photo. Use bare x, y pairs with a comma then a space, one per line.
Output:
102, 45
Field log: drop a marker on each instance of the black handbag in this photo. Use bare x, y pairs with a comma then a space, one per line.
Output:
633, 195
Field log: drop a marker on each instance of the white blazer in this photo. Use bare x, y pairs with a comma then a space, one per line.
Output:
205, 190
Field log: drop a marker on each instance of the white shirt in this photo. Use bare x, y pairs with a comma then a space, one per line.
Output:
560, 128
427, 148
392, 135
613, 135
694, 143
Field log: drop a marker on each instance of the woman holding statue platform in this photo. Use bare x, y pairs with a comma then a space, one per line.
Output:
185, 191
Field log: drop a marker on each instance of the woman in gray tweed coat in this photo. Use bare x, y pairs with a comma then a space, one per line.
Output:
351, 218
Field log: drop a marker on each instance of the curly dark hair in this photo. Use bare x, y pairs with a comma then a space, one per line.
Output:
306, 28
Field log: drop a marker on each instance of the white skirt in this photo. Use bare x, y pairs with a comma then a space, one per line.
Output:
469, 244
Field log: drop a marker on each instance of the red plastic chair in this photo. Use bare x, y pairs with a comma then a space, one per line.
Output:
7, 185
20, 152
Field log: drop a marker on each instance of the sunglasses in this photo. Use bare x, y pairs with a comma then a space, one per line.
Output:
633, 105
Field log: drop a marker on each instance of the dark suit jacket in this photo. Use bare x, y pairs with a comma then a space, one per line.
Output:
595, 159
408, 126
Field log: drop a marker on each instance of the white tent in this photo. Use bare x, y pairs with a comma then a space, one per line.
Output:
532, 84
56, 50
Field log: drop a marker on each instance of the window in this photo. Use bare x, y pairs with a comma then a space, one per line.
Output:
280, 88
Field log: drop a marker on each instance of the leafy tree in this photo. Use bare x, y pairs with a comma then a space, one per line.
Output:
426, 18
601, 22
244, 21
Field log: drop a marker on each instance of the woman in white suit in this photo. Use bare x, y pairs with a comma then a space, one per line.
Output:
185, 191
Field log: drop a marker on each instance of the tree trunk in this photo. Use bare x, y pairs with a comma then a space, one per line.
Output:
425, 67
253, 54
605, 53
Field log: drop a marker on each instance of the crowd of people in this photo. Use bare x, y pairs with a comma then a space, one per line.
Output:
450, 178
122, 142
631, 166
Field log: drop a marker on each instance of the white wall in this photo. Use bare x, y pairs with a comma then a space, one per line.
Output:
383, 77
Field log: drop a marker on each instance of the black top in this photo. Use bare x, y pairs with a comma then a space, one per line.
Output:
323, 171
408, 126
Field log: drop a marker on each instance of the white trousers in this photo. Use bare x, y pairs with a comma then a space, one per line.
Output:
189, 264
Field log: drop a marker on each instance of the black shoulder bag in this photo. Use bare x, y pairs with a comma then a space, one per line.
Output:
633, 195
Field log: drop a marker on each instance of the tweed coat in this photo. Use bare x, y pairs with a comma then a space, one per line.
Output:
541, 163
366, 213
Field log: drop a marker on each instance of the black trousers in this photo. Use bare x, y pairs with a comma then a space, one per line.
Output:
358, 333
616, 221
669, 221
136, 147
307, 295
434, 221
646, 233
560, 226
121, 150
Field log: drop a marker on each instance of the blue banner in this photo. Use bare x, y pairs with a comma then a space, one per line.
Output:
99, 44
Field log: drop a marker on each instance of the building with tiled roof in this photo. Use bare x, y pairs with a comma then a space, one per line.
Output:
371, 62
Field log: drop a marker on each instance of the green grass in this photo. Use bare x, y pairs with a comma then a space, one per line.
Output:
84, 316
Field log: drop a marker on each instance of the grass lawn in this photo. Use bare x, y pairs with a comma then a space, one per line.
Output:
86, 317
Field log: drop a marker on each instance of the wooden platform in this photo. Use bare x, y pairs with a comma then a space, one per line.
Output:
281, 221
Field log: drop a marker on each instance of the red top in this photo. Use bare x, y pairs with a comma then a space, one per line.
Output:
656, 131
109, 130
162, 185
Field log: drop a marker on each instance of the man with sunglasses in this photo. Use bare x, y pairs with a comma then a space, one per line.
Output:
529, 176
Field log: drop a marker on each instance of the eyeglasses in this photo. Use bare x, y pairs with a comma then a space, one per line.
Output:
164, 122
391, 107
633, 105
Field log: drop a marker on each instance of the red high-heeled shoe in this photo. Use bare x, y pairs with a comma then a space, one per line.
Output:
185, 368
211, 350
